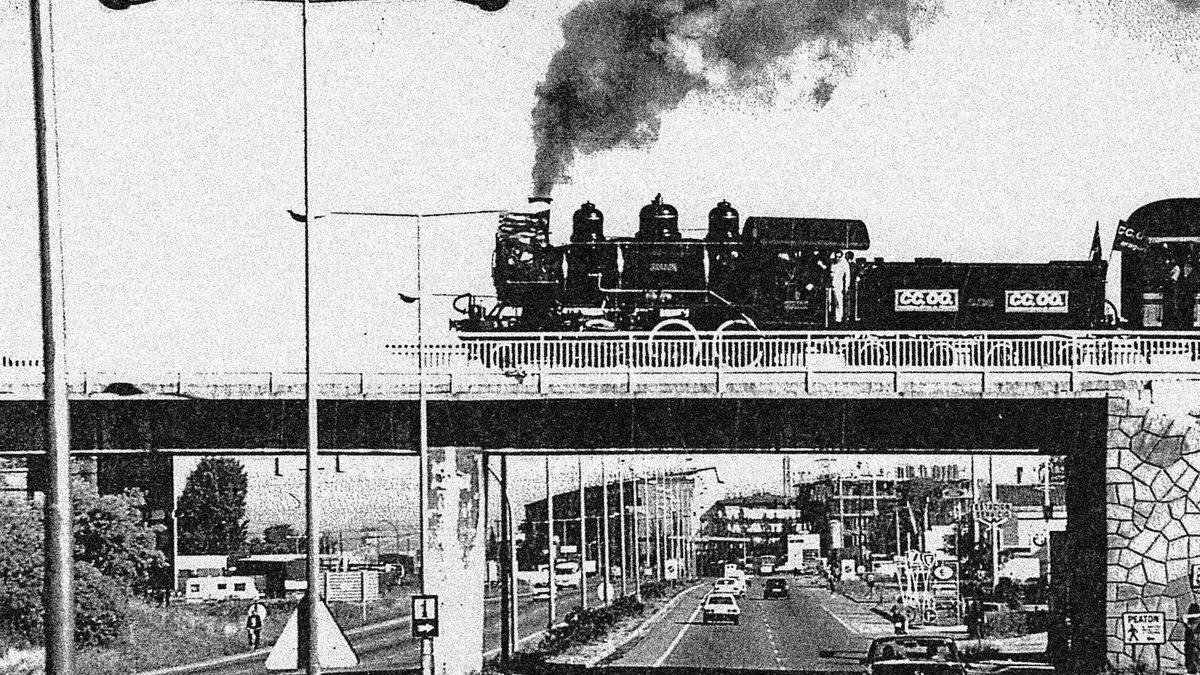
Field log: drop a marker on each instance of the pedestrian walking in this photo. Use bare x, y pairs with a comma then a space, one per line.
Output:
1191, 639
255, 616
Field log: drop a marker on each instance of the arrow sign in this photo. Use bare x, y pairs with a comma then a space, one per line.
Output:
424, 616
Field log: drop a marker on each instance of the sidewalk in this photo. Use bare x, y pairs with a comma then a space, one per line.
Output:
856, 617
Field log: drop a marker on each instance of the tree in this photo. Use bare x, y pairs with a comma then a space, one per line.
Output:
212, 508
111, 535
281, 538
114, 554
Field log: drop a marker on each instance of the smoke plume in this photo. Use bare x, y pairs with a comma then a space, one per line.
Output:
625, 62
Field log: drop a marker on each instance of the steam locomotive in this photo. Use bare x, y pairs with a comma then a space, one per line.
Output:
773, 273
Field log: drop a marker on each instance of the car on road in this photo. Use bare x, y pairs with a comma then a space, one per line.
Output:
720, 607
541, 590
732, 586
913, 655
775, 588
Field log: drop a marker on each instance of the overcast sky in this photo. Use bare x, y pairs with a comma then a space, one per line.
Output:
1003, 131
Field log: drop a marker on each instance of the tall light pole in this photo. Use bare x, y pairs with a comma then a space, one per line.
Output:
583, 603
58, 596
637, 546
550, 550
624, 517
604, 526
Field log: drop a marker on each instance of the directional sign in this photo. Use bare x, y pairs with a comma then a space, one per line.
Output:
921, 560
992, 513
1144, 628
424, 616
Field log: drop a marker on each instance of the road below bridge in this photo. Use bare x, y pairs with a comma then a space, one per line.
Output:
810, 631
393, 647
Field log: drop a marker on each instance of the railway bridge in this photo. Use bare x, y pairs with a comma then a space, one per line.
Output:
1123, 407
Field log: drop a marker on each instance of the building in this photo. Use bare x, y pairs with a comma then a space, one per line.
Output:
660, 514
736, 528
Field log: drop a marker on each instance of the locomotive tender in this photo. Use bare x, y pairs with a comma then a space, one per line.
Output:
772, 273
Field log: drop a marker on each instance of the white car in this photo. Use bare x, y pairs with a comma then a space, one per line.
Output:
720, 607
732, 586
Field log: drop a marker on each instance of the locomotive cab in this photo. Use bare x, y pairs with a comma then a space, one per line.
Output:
1160, 265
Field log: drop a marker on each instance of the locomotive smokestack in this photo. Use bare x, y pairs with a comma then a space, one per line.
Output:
624, 62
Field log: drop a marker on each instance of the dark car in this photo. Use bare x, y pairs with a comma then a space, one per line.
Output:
913, 655
775, 588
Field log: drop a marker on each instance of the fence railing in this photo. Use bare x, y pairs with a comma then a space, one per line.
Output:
518, 363
783, 352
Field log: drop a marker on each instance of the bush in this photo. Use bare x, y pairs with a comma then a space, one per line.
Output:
1005, 624
101, 607
583, 626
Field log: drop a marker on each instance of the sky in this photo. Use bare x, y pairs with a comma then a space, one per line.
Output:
1002, 130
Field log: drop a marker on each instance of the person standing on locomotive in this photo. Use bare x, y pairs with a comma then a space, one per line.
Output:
839, 281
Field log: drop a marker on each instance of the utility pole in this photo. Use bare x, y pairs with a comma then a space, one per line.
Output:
624, 516
656, 548
604, 524
58, 595
637, 546
506, 646
995, 530
513, 626
550, 550
583, 603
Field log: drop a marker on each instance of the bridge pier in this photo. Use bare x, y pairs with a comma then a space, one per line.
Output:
454, 568
1153, 515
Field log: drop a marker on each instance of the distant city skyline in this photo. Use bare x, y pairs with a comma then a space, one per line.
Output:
370, 491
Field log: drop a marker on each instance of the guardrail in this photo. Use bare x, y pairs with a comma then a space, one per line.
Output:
787, 351
688, 363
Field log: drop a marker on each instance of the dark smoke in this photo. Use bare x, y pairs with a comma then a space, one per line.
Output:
627, 61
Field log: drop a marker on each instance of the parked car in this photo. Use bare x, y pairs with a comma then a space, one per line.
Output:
732, 586
541, 590
913, 655
775, 588
720, 607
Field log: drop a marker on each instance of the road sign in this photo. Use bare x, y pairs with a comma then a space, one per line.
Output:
333, 649
602, 591
943, 572
424, 616
921, 560
1144, 628
992, 513
1195, 576
360, 586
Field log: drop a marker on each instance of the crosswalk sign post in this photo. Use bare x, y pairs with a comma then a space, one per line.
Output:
424, 616
425, 627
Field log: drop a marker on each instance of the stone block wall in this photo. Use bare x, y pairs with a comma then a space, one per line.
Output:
1153, 516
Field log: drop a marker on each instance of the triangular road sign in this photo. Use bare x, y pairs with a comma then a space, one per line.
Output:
333, 649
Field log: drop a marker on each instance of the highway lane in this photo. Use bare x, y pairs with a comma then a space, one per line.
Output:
395, 647
809, 631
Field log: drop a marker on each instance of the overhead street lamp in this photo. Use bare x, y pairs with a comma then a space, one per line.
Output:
58, 598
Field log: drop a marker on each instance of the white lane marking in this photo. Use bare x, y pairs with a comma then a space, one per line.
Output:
675, 643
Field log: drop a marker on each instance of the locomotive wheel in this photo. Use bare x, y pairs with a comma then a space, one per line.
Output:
739, 353
678, 344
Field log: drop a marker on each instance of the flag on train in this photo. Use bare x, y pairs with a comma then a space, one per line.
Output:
1129, 238
1097, 254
